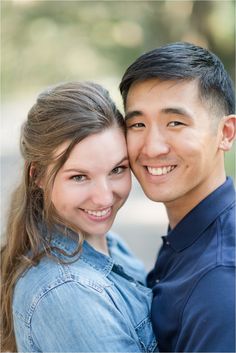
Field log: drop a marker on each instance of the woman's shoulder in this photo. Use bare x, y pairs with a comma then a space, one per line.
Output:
48, 275
35, 280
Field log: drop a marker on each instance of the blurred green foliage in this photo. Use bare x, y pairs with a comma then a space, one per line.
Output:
50, 41
44, 42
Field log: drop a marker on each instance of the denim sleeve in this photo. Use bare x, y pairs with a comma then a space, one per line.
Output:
208, 321
75, 318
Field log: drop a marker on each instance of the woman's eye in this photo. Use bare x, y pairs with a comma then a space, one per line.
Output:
175, 123
119, 170
78, 178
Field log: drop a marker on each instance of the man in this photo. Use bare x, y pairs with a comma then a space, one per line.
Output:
179, 105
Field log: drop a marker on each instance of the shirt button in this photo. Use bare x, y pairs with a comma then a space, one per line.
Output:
167, 243
120, 268
157, 280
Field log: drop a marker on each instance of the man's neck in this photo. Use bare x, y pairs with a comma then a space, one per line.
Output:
179, 208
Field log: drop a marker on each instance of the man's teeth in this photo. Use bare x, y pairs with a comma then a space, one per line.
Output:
98, 213
160, 170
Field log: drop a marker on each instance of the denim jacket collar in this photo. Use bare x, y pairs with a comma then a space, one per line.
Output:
88, 254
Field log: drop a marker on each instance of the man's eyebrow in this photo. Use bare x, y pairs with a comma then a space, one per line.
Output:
132, 114
177, 111
170, 110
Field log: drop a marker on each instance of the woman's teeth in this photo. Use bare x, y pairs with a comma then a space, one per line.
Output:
98, 213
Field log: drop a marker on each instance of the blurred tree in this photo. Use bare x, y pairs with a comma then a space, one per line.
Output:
49, 41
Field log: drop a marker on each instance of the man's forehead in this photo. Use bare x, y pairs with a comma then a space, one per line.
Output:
149, 85
165, 90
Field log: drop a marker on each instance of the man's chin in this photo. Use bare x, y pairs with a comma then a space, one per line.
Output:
157, 196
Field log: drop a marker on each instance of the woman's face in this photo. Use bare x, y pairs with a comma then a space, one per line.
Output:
94, 182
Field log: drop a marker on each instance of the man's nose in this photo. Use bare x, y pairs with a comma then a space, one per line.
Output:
155, 144
102, 194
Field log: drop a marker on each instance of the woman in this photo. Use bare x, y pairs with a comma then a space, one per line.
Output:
68, 284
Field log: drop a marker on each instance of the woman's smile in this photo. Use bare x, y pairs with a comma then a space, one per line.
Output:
99, 215
94, 182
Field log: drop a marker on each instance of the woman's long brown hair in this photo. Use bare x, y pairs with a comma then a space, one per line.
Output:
68, 112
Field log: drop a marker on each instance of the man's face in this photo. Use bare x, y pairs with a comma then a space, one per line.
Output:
173, 141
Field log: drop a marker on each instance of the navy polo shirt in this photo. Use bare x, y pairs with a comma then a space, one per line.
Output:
193, 280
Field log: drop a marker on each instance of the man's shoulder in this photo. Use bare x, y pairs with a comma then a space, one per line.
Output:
227, 216
216, 278
208, 316
213, 295
226, 229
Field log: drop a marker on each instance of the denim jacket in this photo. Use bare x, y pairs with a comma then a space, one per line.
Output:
96, 303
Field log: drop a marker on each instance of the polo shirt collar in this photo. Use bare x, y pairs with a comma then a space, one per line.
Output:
189, 229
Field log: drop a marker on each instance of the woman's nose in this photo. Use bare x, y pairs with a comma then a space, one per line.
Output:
103, 194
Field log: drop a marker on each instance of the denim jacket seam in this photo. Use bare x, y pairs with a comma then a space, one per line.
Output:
67, 274
70, 277
52, 285
64, 271
106, 269
35, 302
58, 282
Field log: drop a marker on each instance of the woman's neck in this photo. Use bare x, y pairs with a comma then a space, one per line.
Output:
98, 242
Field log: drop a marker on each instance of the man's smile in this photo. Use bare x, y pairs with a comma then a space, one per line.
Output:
160, 170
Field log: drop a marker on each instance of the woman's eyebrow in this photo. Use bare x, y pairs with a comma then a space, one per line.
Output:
84, 171
75, 170
125, 158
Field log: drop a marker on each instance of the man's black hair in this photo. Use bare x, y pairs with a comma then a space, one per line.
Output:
184, 61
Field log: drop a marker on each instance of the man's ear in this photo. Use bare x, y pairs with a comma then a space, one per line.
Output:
228, 132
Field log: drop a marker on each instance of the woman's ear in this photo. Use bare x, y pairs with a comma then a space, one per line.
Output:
32, 171
34, 177
228, 132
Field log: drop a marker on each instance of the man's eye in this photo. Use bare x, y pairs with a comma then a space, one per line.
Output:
136, 126
119, 170
78, 178
175, 123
